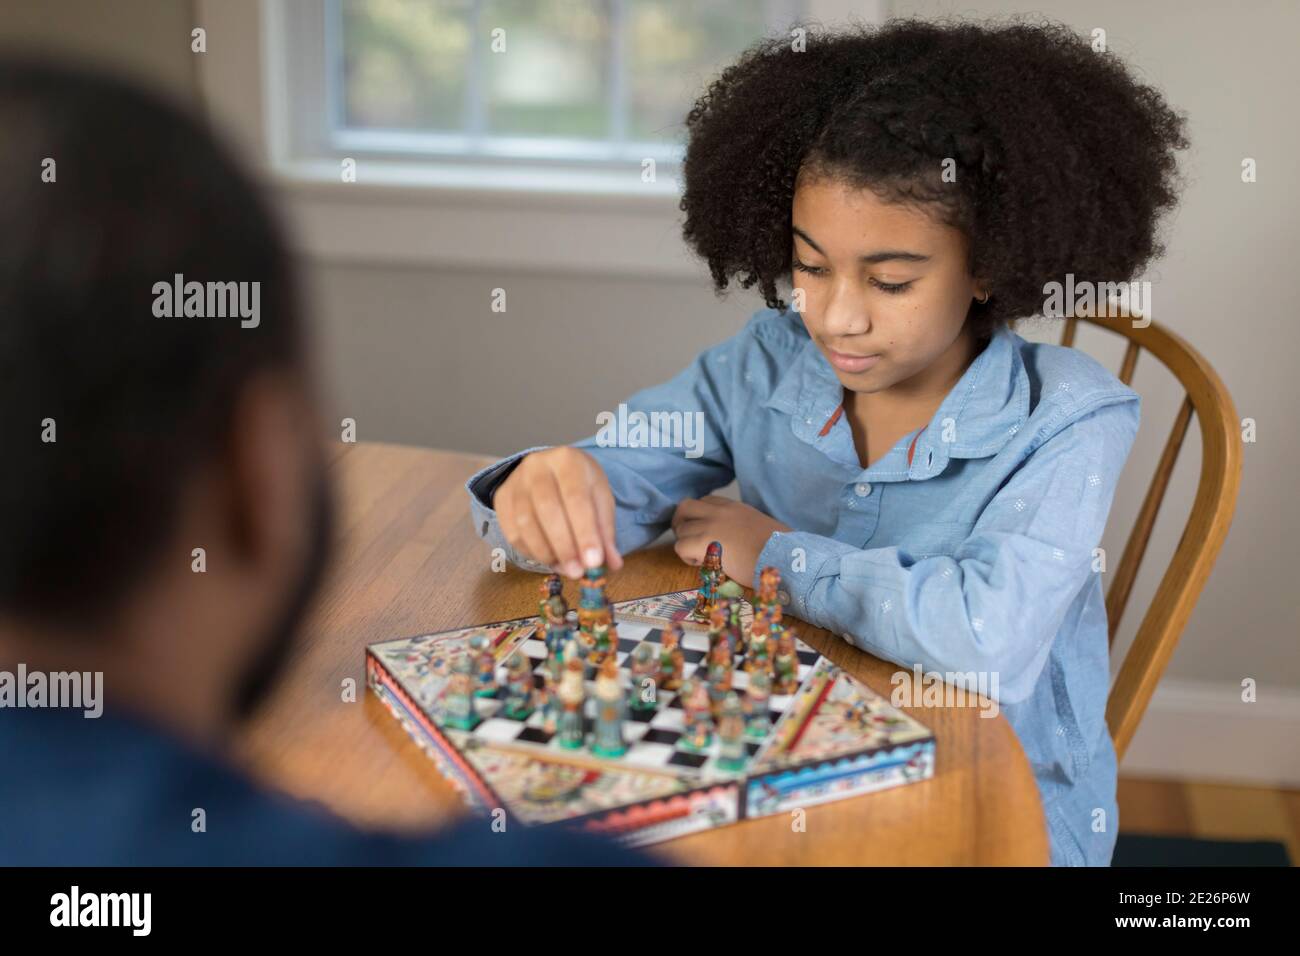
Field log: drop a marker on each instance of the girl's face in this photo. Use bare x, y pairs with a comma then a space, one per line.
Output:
885, 287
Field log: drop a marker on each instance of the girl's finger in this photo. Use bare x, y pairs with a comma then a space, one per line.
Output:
553, 521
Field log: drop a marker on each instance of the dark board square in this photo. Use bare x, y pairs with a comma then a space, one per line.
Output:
693, 657
627, 644
684, 759
534, 735
641, 716
807, 657
657, 735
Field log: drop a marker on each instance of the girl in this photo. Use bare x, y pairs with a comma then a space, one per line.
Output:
930, 485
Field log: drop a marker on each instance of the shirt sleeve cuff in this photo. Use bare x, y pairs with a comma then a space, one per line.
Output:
481, 486
802, 559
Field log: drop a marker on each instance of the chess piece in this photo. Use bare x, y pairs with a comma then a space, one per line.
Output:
719, 629
759, 655
458, 700
485, 666
719, 676
608, 737
604, 642
786, 664
731, 735
519, 687
698, 719
672, 658
552, 586
645, 678
711, 578
758, 720
766, 602
593, 606
548, 695
556, 630
573, 699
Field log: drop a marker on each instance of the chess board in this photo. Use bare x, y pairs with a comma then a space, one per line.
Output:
832, 738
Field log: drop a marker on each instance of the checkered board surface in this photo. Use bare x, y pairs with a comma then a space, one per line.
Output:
653, 736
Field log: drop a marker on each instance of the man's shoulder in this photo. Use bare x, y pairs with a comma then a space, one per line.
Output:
114, 792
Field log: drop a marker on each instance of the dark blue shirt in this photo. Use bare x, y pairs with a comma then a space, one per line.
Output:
117, 791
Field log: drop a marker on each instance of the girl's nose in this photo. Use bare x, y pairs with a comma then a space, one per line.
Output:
846, 315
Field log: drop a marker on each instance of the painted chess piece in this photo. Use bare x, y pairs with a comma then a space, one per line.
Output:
719, 629
698, 718
672, 659
644, 671
556, 624
766, 602
549, 693
711, 578
573, 699
758, 719
731, 735
519, 687
786, 664
607, 741
458, 700
759, 655
593, 606
552, 586
485, 666
605, 642
720, 675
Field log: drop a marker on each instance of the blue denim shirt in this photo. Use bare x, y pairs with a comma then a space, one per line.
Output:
977, 557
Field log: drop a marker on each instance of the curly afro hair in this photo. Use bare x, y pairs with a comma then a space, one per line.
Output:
1064, 161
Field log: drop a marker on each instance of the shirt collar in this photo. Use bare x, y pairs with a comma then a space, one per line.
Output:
988, 405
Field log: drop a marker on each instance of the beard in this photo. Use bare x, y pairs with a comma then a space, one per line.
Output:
261, 675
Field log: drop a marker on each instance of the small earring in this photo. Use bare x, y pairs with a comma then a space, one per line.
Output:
983, 301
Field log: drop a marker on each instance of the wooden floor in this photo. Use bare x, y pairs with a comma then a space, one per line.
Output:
1211, 811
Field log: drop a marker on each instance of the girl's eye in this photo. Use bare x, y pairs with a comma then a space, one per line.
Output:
892, 288
810, 270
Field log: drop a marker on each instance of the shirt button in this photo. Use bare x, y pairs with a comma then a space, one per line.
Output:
862, 489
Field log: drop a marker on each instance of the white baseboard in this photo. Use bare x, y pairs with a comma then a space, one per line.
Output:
1202, 730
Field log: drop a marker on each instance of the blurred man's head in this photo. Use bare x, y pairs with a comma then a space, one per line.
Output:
147, 410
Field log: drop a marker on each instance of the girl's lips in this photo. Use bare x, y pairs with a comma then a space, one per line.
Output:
852, 363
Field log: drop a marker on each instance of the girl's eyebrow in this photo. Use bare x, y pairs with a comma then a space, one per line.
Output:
884, 255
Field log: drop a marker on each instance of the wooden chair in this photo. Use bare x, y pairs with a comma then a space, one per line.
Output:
1207, 525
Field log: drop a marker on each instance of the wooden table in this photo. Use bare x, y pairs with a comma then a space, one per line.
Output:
408, 562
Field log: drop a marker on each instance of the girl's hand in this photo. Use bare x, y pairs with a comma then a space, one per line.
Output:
556, 507
743, 531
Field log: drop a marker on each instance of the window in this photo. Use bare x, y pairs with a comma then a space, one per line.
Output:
583, 81
482, 131
590, 83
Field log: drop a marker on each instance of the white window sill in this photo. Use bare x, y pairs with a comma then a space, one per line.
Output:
579, 221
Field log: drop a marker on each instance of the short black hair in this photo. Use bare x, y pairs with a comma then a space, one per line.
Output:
1064, 161
105, 190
